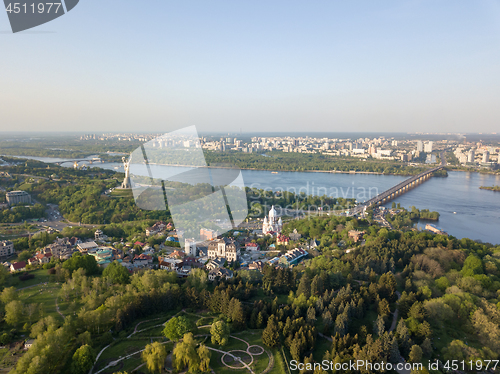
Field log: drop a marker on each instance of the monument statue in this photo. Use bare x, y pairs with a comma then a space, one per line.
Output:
126, 165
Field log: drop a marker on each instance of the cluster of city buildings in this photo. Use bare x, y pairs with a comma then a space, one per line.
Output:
380, 147
478, 155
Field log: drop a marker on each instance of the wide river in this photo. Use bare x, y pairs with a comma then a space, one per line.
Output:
466, 211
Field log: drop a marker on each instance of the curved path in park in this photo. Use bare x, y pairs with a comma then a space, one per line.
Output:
257, 351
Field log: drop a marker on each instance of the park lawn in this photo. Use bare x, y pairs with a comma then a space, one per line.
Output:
121, 193
151, 321
42, 294
279, 366
9, 358
151, 332
41, 276
155, 325
126, 365
192, 317
252, 337
132, 362
232, 344
8, 231
203, 321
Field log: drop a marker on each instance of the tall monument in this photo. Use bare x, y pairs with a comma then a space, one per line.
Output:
126, 165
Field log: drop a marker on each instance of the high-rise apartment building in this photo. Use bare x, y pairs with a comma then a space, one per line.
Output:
420, 146
428, 147
471, 156
486, 157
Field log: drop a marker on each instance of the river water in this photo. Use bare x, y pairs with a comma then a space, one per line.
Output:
466, 211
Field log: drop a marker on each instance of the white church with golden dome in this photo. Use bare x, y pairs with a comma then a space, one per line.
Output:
272, 223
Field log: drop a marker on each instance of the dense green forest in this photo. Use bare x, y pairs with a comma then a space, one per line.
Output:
445, 291
405, 218
81, 198
64, 147
309, 162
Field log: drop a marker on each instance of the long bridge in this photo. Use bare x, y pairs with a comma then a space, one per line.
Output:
76, 161
395, 191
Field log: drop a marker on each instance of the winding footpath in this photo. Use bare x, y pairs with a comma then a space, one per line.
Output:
260, 350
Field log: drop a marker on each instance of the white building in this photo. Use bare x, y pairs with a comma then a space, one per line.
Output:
272, 223
18, 197
190, 247
428, 147
420, 146
471, 156
6, 248
223, 248
486, 157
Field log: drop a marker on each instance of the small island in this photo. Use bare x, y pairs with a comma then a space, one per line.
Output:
492, 188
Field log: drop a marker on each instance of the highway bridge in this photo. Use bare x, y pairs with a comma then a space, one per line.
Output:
76, 161
395, 191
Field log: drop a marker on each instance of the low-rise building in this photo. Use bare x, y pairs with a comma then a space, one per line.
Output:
157, 228
221, 273
99, 235
295, 235
292, 257
355, 235
177, 254
282, 239
256, 265
6, 248
215, 263
169, 263
207, 234
191, 262
225, 248
85, 247
17, 266
252, 247
102, 255
28, 343
18, 197
143, 259
40, 258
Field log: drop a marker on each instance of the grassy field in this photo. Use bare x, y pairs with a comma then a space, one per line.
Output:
41, 276
9, 357
8, 231
42, 294
120, 349
125, 346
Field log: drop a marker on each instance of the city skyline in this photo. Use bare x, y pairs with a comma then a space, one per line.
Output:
285, 66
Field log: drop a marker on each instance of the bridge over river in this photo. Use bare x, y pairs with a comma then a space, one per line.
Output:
76, 161
395, 191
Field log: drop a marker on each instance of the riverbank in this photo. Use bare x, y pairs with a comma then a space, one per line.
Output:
301, 171
492, 188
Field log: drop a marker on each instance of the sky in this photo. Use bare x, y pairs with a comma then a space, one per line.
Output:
249, 66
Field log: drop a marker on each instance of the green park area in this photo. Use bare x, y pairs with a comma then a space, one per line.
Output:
242, 351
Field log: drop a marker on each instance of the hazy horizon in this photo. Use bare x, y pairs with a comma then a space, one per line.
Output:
282, 66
